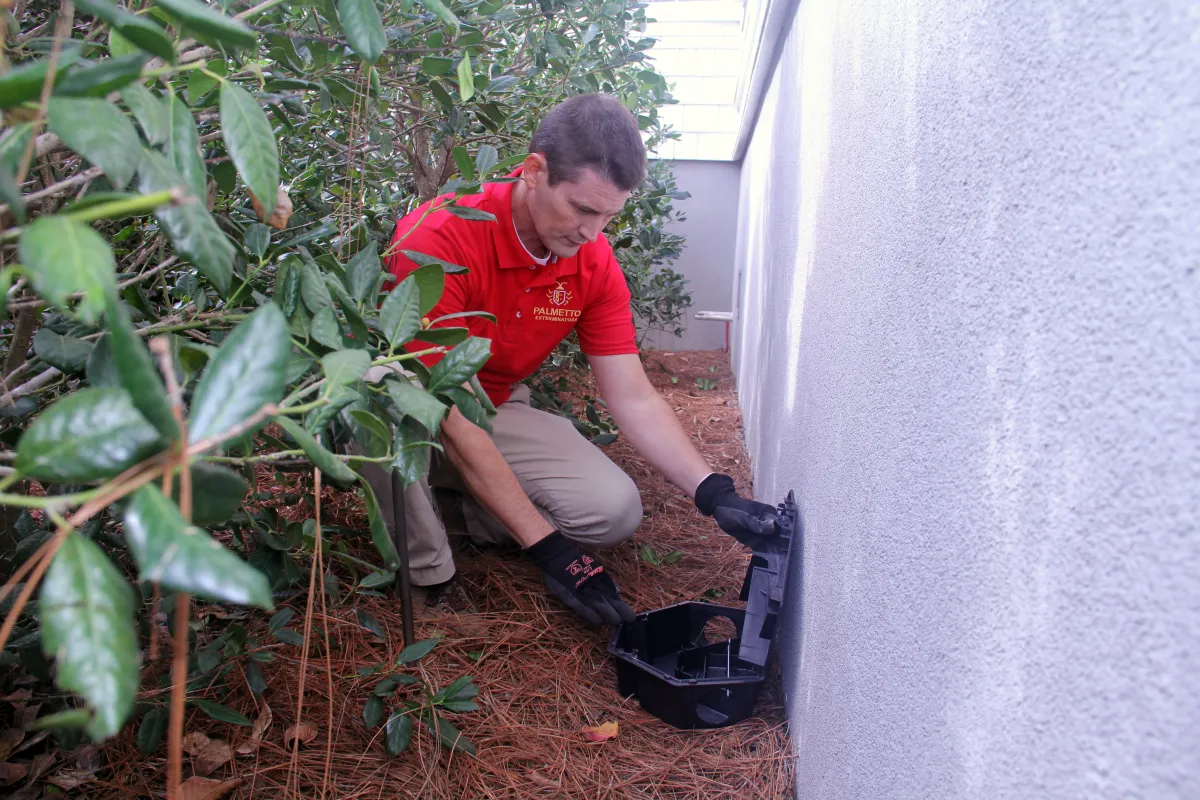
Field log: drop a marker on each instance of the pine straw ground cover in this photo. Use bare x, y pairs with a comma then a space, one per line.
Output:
543, 676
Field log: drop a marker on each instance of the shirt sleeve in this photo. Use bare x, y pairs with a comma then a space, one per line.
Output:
606, 326
439, 242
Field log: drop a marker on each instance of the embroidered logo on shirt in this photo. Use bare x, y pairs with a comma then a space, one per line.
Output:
558, 296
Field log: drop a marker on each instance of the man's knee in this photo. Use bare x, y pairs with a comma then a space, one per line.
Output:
613, 514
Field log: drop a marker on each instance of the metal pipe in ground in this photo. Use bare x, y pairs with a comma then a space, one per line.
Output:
400, 539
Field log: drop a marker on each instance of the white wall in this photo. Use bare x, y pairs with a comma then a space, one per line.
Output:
709, 252
970, 340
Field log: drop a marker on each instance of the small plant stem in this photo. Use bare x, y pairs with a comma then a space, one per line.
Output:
258, 9
303, 408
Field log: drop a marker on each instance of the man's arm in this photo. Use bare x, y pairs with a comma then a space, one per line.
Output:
490, 479
646, 419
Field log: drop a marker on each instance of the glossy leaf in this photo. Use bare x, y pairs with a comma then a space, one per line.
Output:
344, 367
102, 77
149, 111
64, 352
255, 678
466, 167
442, 12
247, 372
466, 79
330, 465
400, 315
85, 436
136, 371
363, 27
221, 713
138, 30
86, 610
469, 407
63, 256
10, 194
362, 273
184, 148
417, 403
398, 734
217, 492
313, 290
204, 19
430, 280
447, 337
368, 621
377, 580
101, 370
417, 650
24, 82
152, 729
449, 736
424, 260
189, 226
326, 329
457, 366
257, 239
464, 315
380, 532
485, 160
185, 558
472, 214
251, 143
373, 711
411, 446
99, 132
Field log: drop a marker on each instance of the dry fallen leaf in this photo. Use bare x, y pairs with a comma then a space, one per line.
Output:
11, 773
282, 213
207, 788
261, 724
194, 742
214, 754
71, 778
9, 739
601, 733
304, 731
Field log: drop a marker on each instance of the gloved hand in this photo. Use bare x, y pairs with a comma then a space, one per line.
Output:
748, 521
579, 580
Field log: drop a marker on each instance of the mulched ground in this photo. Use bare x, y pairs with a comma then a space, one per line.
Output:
543, 676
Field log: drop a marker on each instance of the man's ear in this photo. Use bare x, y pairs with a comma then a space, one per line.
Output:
536, 171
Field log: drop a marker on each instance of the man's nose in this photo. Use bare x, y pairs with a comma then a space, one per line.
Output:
590, 232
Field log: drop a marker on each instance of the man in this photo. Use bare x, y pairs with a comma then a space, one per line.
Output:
543, 268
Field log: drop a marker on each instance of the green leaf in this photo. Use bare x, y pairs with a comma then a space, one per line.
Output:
65, 352
257, 238
464, 315
460, 706
440, 10
189, 226
650, 555
374, 426
411, 446
373, 711
149, 111
99, 132
400, 315
481, 396
10, 194
399, 733
185, 558
415, 402
136, 371
503, 83
25, 82
138, 30
203, 19
153, 728
221, 713
363, 27
85, 436
471, 213
469, 407
344, 367
63, 256
289, 636
280, 618
247, 373
254, 678
457, 366
101, 370
466, 78
554, 46
380, 534
466, 168
424, 260
362, 273
333, 468
377, 580
436, 65
368, 621
449, 736
184, 148
672, 557
107, 75
216, 491
199, 84
313, 290
485, 160
251, 143
86, 610
417, 650
119, 46
430, 280
461, 688
326, 329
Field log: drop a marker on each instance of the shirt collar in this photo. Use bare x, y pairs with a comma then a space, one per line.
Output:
510, 250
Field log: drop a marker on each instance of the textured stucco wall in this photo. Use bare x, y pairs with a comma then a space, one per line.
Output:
970, 340
709, 252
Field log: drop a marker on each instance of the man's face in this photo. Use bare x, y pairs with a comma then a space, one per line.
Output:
570, 213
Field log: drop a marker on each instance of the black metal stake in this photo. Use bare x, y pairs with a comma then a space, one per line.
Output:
400, 539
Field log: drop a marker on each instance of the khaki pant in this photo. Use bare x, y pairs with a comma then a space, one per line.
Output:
569, 480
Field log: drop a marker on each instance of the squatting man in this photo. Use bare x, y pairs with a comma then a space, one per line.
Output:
543, 268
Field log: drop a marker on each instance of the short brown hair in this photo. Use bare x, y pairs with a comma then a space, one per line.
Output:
592, 130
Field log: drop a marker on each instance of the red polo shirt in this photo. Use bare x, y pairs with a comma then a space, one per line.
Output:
535, 305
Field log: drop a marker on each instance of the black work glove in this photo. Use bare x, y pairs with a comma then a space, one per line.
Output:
579, 580
748, 521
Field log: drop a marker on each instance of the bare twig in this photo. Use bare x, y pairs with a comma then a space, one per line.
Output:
62, 27
139, 278
62, 187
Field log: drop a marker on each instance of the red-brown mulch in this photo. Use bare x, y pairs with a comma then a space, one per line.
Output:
543, 676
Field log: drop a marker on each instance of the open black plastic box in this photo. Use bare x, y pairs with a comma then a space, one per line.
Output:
665, 659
